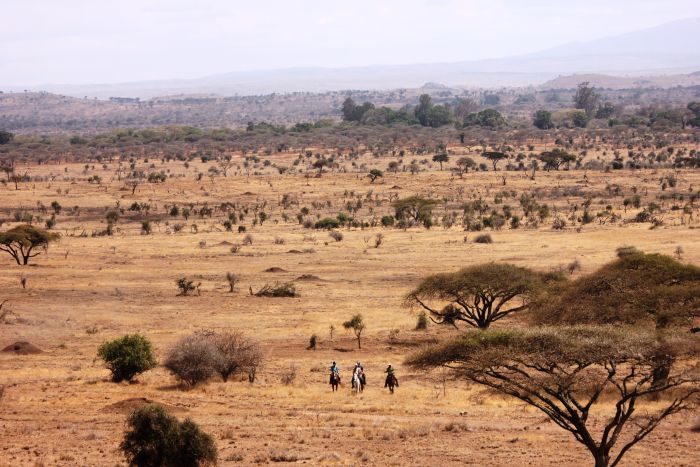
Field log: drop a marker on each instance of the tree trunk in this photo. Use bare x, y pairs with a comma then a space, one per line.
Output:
601, 460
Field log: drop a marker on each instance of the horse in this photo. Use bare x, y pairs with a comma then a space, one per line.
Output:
358, 381
335, 381
391, 382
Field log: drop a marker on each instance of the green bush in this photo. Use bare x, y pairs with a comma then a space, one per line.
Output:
388, 221
156, 438
327, 223
127, 356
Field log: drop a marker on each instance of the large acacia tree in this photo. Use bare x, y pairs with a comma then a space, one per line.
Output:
478, 295
636, 288
22, 242
650, 290
568, 373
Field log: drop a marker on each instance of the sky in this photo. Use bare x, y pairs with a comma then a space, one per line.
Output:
110, 41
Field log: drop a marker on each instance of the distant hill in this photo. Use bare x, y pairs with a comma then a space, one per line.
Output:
623, 82
668, 49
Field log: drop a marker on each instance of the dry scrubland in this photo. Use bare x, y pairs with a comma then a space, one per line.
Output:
59, 406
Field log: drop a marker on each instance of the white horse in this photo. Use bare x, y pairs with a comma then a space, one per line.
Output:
357, 381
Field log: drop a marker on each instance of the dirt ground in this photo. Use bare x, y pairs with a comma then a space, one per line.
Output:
60, 408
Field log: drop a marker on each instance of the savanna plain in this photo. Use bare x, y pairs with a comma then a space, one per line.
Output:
60, 407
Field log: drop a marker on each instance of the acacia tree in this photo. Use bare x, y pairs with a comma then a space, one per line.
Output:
357, 324
415, 208
478, 295
464, 164
21, 242
564, 371
374, 174
441, 158
495, 157
637, 289
555, 158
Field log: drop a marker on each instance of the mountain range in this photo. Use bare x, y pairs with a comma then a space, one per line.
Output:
661, 51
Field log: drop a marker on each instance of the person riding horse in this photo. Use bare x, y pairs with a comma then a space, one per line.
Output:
335, 372
360, 374
391, 380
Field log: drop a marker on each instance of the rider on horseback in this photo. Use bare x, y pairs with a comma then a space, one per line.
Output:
390, 377
335, 371
360, 372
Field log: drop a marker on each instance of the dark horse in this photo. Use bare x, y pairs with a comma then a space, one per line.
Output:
335, 381
391, 382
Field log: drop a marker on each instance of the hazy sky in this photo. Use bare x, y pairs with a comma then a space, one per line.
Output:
98, 41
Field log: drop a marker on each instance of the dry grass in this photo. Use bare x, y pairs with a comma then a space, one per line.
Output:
86, 290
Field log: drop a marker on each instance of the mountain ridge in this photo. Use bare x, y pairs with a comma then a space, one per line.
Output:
670, 48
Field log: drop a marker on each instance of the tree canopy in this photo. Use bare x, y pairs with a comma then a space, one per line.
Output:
543, 120
478, 295
415, 208
20, 242
495, 157
554, 158
565, 371
633, 289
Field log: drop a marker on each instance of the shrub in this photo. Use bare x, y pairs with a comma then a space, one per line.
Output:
236, 353
327, 223
193, 359
378, 240
186, 286
241, 229
573, 266
289, 375
278, 289
388, 221
559, 224
485, 238
335, 235
146, 228
127, 356
231, 278
422, 321
156, 438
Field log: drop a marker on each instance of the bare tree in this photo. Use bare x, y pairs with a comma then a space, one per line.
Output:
564, 372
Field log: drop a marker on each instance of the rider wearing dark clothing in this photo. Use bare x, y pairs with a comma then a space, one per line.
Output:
390, 376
